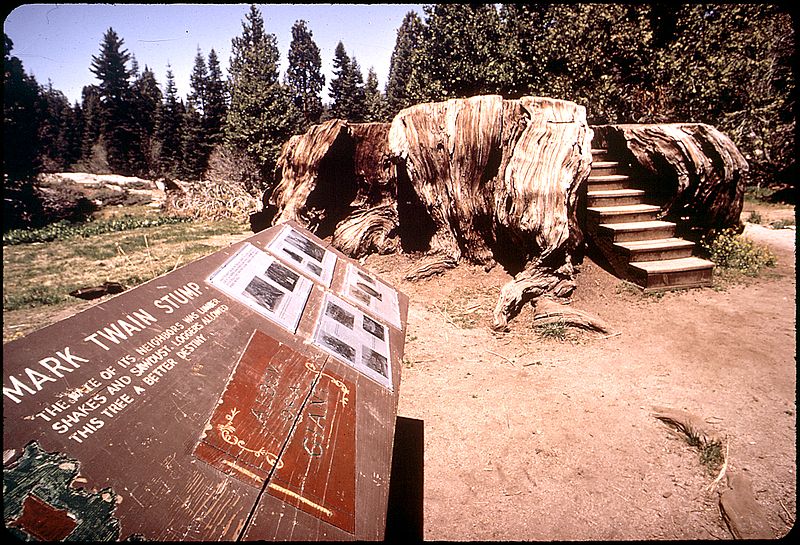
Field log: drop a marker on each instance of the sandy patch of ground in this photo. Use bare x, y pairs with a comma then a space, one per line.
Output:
529, 438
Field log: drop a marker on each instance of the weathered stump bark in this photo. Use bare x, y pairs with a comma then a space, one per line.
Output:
697, 170
337, 179
497, 177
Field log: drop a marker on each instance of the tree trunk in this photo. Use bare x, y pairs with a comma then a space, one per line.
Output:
697, 170
337, 179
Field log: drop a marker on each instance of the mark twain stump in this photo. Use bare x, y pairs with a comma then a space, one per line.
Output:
249, 395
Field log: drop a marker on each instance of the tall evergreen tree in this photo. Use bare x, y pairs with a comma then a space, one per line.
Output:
20, 141
198, 83
92, 146
194, 149
261, 116
147, 97
374, 102
117, 127
408, 38
169, 129
304, 75
347, 87
216, 104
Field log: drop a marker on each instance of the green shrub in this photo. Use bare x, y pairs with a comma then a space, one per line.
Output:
736, 253
64, 230
754, 217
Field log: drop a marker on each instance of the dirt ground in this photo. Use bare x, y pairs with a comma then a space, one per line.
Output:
531, 438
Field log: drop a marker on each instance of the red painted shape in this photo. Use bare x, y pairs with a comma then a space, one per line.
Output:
254, 418
43, 521
318, 471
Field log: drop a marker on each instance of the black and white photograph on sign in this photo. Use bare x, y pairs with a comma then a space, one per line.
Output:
371, 326
262, 283
339, 314
372, 295
349, 335
282, 275
304, 255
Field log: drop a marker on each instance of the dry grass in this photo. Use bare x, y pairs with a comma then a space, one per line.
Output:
37, 278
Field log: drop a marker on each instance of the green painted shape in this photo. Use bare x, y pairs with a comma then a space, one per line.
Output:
49, 476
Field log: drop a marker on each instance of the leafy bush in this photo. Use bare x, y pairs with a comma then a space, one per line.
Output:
736, 253
64, 230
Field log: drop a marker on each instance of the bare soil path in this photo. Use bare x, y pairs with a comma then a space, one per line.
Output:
531, 438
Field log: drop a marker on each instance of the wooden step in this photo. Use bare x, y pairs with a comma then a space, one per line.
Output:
615, 197
604, 168
639, 230
626, 213
655, 250
687, 272
599, 152
604, 182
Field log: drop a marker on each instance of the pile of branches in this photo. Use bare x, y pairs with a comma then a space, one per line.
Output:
210, 200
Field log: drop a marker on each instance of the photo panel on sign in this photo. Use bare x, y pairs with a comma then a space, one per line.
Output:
304, 254
369, 293
353, 337
264, 284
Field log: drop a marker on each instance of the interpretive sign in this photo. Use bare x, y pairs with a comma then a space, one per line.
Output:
371, 294
304, 254
354, 338
205, 405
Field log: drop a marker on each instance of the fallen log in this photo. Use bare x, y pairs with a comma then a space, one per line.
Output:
696, 170
550, 312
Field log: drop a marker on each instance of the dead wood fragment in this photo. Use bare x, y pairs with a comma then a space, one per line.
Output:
742, 514
687, 424
549, 312
431, 266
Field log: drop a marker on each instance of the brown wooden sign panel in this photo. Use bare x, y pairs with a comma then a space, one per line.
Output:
177, 411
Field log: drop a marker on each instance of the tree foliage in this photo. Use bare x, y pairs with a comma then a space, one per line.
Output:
397, 86
347, 87
729, 65
304, 75
261, 116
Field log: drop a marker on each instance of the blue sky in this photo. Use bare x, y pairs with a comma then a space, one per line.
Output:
56, 42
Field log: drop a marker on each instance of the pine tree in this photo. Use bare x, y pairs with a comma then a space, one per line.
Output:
119, 134
198, 82
347, 88
374, 102
169, 129
339, 93
261, 116
304, 74
93, 157
408, 38
194, 150
20, 141
216, 105
147, 99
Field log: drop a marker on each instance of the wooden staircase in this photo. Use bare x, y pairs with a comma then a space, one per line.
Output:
639, 246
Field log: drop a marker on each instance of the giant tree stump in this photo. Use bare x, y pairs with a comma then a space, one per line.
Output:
491, 181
